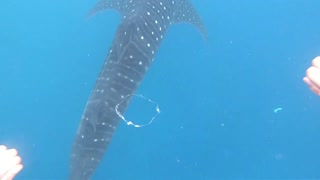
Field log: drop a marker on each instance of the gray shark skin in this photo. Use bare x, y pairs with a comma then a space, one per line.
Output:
143, 26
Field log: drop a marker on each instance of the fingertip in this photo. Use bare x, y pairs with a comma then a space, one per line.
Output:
17, 168
16, 160
307, 81
3, 148
316, 62
310, 69
12, 152
312, 72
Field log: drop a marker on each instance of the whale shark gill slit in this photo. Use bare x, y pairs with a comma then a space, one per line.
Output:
143, 26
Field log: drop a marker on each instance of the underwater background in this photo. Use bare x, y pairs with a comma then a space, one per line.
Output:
232, 107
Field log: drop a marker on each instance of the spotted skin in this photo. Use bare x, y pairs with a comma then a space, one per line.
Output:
143, 26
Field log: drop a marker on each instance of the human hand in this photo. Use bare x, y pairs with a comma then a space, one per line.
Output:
10, 163
312, 78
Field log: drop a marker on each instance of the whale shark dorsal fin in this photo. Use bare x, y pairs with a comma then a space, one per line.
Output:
186, 13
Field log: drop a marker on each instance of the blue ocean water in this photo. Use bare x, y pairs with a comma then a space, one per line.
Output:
217, 97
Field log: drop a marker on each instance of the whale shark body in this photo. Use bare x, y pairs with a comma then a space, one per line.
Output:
143, 26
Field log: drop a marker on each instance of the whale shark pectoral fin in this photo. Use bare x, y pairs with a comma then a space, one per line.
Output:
186, 13
119, 5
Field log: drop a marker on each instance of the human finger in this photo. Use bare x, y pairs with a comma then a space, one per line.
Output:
316, 62
12, 172
313, 74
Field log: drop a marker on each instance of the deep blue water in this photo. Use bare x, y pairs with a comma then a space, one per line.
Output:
217, 98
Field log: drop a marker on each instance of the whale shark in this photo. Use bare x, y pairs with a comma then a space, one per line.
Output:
140, 32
